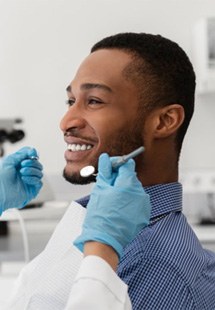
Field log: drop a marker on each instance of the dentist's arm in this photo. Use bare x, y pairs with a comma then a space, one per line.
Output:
118, 209
20, 179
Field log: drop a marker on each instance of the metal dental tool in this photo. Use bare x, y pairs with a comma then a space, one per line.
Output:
34, 157
89, 170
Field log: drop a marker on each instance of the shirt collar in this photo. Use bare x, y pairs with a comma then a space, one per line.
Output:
165, 198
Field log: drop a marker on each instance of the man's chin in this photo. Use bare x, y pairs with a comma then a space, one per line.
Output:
77, 179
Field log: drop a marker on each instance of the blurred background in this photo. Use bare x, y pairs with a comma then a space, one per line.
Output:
42, 43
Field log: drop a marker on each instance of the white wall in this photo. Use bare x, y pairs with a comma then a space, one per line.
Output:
43, 41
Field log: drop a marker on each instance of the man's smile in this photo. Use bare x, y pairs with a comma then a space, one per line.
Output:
78, 147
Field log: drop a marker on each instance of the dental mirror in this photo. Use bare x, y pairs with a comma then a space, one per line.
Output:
87, 171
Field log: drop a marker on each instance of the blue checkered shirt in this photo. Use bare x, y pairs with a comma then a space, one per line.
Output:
165, 266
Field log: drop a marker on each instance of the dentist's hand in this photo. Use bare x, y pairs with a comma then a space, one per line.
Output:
118, 207
20, 179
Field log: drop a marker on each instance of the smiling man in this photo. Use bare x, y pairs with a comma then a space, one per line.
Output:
102, 114
133, 89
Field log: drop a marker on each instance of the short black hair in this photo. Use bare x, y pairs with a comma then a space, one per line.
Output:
161, 69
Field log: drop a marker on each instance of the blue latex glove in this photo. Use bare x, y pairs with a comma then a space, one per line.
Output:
20, 179
118, 207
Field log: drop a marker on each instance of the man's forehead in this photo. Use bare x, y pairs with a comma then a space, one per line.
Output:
102, 66
106, 58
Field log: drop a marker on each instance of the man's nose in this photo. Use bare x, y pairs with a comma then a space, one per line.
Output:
72, 119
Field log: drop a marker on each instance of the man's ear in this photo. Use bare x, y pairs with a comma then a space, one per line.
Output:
167, 120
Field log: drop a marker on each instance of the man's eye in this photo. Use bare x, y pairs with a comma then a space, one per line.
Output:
94, 101
70, 102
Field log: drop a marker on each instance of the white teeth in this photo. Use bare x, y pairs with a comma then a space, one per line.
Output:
83, 147
73, 147
78, 147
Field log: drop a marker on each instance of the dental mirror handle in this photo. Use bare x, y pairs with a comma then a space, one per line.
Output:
90, 170
123, 159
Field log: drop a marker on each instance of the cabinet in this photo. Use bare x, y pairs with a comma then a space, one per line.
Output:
204, 54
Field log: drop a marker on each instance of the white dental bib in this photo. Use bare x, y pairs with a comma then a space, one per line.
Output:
45, 283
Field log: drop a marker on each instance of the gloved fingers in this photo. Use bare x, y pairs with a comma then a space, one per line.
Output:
31, 163
34, 181
24, 152
20, 155
104, 166
29, 171
127, 176
105, 173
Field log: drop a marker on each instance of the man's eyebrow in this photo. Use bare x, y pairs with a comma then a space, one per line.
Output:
87, 86
96, 85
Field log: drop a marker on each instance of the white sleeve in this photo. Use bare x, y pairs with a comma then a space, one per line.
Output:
98, 287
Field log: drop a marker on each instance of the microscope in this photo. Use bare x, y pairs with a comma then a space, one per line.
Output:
9, 132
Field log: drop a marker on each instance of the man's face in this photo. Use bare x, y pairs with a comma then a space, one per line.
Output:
102, 114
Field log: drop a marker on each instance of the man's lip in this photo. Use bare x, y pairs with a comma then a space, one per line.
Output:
74, 140
76, 156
